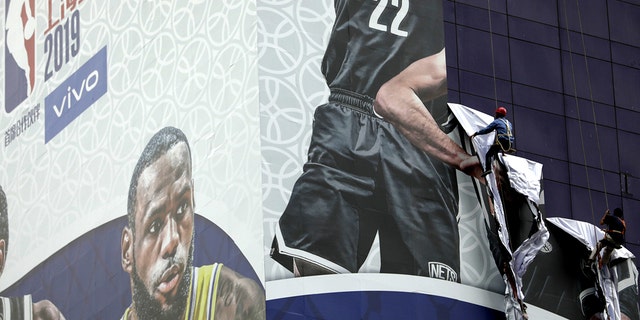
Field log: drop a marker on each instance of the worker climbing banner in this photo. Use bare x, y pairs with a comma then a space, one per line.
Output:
102, 101
563, 261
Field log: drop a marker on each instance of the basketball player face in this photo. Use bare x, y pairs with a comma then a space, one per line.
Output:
163, 240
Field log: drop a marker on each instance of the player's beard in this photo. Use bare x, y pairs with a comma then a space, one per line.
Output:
148, 308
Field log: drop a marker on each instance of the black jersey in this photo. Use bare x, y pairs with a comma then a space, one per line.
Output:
373, 40
614, 223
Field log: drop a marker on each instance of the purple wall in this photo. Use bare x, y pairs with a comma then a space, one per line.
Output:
569, 72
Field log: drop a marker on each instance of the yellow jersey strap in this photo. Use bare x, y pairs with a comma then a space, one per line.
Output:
203, 293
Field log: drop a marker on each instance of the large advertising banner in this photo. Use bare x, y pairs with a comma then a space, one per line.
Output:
290, 66
444, 240
131, 163
375, 203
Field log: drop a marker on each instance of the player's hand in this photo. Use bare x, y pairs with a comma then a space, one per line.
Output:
471, 166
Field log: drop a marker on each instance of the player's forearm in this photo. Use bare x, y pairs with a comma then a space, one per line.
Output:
401, 102
401, 106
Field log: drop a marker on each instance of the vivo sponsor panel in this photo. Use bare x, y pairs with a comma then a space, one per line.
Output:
131, 164
350, 231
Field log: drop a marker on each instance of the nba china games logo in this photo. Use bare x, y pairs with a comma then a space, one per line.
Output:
19, 52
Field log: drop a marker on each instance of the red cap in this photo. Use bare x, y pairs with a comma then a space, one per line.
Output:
501, 111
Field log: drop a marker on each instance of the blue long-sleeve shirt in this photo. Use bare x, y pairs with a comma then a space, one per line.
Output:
503, 128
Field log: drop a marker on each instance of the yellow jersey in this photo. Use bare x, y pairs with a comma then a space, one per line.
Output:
202, 294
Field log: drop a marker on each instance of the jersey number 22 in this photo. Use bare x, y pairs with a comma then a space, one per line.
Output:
403, 9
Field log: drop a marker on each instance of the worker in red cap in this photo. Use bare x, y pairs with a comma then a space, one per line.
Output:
504, 136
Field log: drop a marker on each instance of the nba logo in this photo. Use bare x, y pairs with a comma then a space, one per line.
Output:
19, 52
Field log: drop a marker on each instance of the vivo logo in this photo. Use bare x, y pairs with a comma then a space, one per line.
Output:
442, 271
75, 95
